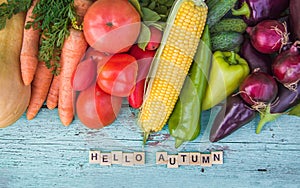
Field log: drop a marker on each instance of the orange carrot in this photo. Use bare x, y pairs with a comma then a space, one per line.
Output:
72, 51
52, 98
81, 7
30, 48
39, 89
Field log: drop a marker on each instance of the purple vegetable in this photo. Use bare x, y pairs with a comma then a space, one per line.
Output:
258, 89
286, 67
294, 19
286, 99
255, 59
254, 11
268, 36
234, 114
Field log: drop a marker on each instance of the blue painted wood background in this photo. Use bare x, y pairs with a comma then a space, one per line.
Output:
44, 153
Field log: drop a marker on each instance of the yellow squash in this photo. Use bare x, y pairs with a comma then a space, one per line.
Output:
14, 95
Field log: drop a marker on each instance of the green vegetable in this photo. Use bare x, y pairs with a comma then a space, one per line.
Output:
211, 3
54, 18
12, 7
184, 122
295, 111
218, 11
227, 72
229, 24
227, 41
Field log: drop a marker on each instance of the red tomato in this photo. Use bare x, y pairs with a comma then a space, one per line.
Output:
118, 76
96, 109
111, 26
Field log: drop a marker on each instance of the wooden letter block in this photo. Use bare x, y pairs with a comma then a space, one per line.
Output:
127, 159
94, 157
105, 159
194, 158
116, 157
183, 158
172, 161
139, 158
161, 158
205, 159
217, 157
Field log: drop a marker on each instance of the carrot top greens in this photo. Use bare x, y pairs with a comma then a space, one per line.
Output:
12, 7
52, 17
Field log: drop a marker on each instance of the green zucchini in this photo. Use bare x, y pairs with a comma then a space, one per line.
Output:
226, 41
218, 11
229, 24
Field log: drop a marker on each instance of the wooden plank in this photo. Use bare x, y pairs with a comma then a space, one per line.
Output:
43, 153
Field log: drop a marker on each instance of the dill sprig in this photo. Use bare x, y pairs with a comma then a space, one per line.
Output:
53, 18
12, 7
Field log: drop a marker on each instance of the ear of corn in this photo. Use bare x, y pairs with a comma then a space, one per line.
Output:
171, 63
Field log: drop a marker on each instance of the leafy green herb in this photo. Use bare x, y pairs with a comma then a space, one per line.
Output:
12, 7
54, 18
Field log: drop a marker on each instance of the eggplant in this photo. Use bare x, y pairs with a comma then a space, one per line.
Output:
286, 99
255, 59
234, 114
254, 11
294, 19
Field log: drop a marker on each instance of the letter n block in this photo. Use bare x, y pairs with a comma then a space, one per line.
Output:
217, 157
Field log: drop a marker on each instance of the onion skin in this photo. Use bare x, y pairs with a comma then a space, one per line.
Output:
255, 59
286, 66
268, 36
257, 88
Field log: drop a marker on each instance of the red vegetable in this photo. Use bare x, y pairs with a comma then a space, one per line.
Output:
96, 109
111, 25
258, 89
155, 38
286, 67
144, 59
84, 74
268, 36
118, 75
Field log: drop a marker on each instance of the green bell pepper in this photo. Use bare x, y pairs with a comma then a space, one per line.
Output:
184, 122
227, 72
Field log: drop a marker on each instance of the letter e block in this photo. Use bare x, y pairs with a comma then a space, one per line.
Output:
172, 161
105, 159
116, 157
183, 158
94, 157
139, 158
127, 159
205, 159
161, 158
217, 157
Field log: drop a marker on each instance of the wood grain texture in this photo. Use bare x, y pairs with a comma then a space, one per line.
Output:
44, 153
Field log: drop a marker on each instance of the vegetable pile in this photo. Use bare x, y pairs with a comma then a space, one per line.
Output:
170, 60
